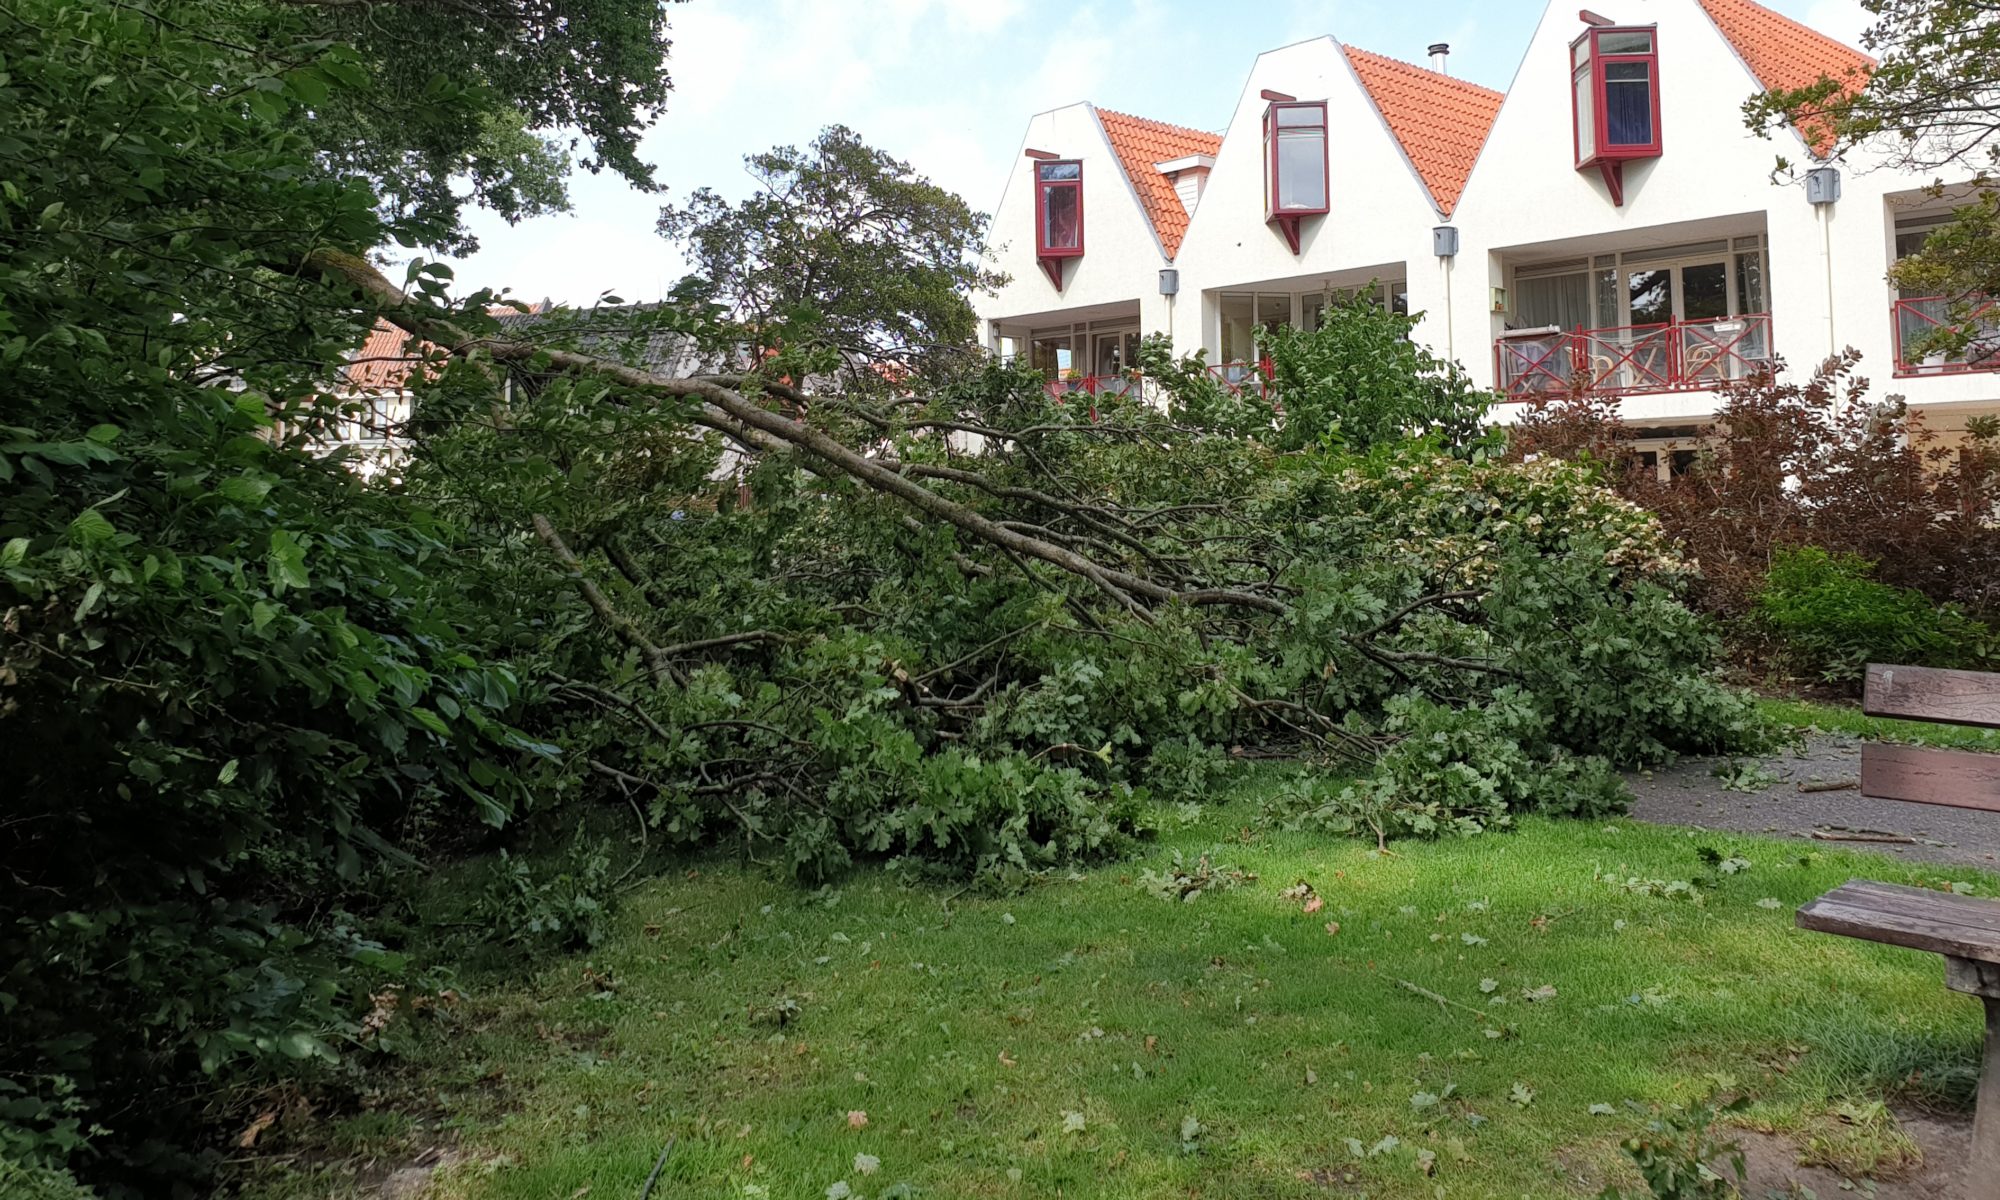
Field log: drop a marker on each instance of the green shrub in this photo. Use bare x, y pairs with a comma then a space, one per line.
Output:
19, 1181
1833, 618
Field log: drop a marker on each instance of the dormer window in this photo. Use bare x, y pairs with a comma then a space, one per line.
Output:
1058, 215
1615, 90
1295, 164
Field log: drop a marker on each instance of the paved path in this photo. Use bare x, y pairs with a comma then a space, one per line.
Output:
1689, 793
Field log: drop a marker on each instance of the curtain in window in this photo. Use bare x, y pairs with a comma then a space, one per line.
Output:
1628, 104
1559, 300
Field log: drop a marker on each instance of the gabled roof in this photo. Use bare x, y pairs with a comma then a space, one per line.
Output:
1139, 144
381, 363
1783, 54
1441, 122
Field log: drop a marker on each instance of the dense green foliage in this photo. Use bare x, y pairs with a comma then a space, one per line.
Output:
845, 251
1927, 106
1833, 618
816, 673
236, 687
944, 620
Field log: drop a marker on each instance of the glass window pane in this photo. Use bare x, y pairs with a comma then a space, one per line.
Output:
1750, 282
1239, 318
1586, 117
1625, 43
1301, 170
1652, 295
1606, 314
1062, 224
1301, 116
1061, 170
1579, 54
1628, 104
1705, 291
1051, 356
1274, 311
1559, 300
1399, 298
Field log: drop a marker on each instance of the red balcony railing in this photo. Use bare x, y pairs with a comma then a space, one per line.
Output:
1634, 360
1127, 383
1241, 376
1916, 320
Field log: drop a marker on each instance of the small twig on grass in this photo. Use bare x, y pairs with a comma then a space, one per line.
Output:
654, 1177
1828, 785
1843, 833
1444, 1001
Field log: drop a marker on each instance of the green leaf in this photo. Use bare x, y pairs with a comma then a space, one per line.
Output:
14, 553
245, 489
91, 528
90, 599
285, 565
103, 435
430, 720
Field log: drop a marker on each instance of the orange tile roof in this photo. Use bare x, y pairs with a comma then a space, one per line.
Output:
1441, 122
1782, 53
1139, 144
381, 362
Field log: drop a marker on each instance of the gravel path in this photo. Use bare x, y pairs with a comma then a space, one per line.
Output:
1691, 793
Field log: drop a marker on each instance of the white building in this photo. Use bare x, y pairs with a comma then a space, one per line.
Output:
1608, 218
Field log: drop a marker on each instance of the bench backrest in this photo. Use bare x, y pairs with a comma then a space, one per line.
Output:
1956, 778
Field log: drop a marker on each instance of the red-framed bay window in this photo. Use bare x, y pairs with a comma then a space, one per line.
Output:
1615, 100
1058, 214
1295, 164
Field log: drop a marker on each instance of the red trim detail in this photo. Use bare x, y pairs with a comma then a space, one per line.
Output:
1051, 257
1280, 97
1635, 360
1288, 219
1043, 155
1916, 317
1614, 178
1591, 18
1607, 158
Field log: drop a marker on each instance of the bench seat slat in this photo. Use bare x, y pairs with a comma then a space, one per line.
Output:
1928, 694
1919, 904
1953, 778
1938, 922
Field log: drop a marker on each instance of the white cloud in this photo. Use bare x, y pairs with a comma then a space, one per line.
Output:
1844, 20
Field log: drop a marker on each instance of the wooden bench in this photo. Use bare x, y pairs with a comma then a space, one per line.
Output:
1964, 929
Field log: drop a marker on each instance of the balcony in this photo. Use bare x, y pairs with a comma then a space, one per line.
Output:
1634, 360
1127, 383
1916, 320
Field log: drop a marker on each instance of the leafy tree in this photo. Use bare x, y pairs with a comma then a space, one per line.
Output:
237, 689
845, 250
483, 101
1931, 104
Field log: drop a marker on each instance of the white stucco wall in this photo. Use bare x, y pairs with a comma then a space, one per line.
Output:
1121, 261
1825, 273
1825, 269
1381, 213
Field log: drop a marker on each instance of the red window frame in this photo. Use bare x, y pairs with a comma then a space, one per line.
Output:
1051, 256
1288, 218
1601, 150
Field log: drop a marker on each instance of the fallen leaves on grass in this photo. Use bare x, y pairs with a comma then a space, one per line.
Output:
857, 1119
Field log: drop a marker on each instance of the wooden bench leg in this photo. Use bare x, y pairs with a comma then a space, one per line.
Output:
1981, 1180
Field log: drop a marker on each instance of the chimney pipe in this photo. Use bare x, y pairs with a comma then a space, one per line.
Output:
1440, 51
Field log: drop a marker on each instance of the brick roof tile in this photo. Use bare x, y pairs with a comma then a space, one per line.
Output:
381, 362
1782, 53
1140, 143
1441, 122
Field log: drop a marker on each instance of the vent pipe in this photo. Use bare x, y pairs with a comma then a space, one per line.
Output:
1440, 52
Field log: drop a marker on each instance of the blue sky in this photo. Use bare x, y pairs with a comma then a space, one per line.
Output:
948, 85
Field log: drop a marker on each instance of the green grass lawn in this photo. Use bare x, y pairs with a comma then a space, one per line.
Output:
1849, 720
1091, 1039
